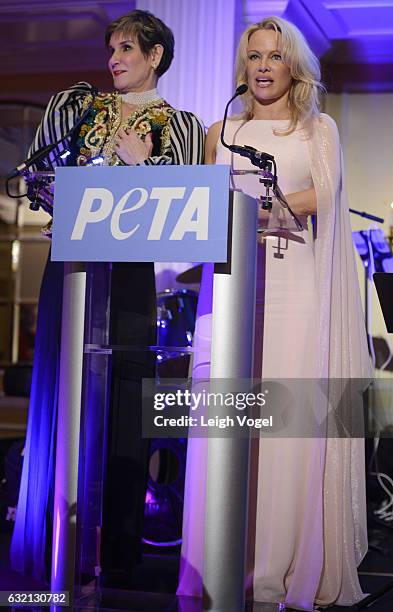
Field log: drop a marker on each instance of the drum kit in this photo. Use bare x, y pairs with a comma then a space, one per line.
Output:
176, 314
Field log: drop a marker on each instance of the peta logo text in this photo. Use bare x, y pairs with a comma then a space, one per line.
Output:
98, 204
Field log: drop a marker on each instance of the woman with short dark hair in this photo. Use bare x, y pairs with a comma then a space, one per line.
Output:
132, 125
149, 31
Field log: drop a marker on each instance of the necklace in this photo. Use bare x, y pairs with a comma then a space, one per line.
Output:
140, 97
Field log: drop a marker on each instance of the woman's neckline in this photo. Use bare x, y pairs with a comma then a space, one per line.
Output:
139, 98
267, 120
239, 119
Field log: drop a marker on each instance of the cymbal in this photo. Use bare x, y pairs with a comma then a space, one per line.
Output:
190, 276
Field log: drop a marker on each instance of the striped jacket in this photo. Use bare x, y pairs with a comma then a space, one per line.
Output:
186, 132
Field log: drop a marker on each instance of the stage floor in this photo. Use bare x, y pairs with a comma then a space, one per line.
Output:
156, 579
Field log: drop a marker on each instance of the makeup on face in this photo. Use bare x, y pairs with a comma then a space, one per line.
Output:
268, 77
130, 68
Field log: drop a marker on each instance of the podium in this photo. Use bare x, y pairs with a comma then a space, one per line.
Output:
193, 223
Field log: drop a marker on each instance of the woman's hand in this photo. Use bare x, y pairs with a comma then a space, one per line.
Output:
131, 148
303, 202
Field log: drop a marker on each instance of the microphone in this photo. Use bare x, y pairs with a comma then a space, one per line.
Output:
257, 158
43, 152
239, 92
36, 157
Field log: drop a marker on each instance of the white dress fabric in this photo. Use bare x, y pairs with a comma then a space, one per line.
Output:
307, 524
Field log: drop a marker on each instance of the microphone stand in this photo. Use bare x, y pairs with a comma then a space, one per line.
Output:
366, 263
366, 215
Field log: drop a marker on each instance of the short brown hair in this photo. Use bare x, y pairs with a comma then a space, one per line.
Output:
150, 31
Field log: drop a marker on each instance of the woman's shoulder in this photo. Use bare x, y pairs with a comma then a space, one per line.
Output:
65, 106
327, 122
188, 119
69, 101
322, 127
231, 124
78, 91
214, 130
212, 139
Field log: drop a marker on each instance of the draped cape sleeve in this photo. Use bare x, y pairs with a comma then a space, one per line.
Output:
341, 328
344, 367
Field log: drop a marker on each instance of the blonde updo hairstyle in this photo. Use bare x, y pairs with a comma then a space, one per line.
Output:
304, 67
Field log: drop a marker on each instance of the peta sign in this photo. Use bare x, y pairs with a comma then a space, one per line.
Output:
149, 213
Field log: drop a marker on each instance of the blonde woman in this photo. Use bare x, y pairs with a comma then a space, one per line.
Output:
307, 499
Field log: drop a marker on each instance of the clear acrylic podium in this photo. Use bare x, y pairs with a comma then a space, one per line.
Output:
84, 366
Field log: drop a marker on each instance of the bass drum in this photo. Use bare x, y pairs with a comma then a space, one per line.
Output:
165, 493
176, 312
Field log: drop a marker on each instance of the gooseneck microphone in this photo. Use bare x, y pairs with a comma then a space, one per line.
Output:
261, 160
33, 159
257, 158
239, 92
44, 152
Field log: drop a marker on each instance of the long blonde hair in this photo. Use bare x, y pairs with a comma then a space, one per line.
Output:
304, 67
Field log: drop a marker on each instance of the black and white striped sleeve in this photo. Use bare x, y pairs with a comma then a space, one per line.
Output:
61, 114
187, 137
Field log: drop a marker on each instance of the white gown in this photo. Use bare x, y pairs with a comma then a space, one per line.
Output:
301, 546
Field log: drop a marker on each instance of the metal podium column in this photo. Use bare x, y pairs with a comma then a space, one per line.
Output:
228, 458
68, 429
